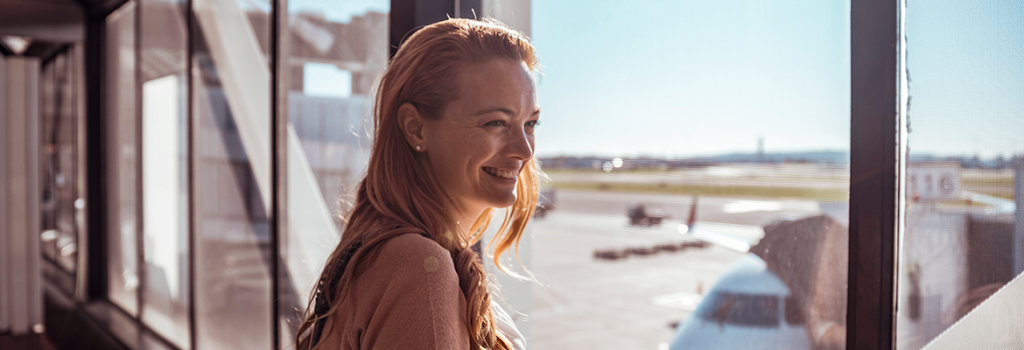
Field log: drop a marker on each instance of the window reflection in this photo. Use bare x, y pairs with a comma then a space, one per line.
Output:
963, 245
60, 181
333, 55
231, 83
121, 158
163, 41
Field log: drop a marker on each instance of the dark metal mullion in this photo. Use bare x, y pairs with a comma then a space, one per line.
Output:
95, 124
276, 156
190, 174
408, 16
140, 256
81, 230
401, 20
874, 174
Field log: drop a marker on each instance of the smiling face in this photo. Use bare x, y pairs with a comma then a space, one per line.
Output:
484, 137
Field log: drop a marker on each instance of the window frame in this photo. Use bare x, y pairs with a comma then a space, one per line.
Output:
876, 166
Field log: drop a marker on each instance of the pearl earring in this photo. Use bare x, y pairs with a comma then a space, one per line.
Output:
418, 148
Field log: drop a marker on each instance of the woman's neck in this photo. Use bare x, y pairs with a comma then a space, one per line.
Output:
464, 219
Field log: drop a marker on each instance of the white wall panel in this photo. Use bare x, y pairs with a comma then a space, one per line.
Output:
21, 281
5, 315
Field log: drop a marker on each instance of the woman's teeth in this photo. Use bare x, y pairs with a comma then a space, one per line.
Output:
500, 173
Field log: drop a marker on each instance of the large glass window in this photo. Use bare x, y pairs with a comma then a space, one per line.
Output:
59, 163
121, 158
332, 55
699, 158
162, 52
963, 245
232, 160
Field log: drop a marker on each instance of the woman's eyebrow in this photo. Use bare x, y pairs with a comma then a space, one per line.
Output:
505, 111
496, 109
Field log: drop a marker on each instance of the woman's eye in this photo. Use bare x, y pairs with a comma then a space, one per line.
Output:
532, 123
495, 123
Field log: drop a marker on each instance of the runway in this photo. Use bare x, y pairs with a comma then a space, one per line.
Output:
630, 303
726, 210
788, 175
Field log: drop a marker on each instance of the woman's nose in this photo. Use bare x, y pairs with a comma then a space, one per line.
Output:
519, 144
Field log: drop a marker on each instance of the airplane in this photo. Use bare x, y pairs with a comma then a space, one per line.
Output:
748, 308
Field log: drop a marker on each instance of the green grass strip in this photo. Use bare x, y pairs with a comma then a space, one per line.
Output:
1007, 182
830, 195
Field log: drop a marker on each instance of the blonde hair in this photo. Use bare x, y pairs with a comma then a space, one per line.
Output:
399, 196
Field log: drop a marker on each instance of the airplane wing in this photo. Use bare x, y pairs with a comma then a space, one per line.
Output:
736, 237
1000, 205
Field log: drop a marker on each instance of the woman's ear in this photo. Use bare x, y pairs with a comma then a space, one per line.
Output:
411, 123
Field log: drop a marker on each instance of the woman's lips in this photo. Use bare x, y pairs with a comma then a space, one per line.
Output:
504, 174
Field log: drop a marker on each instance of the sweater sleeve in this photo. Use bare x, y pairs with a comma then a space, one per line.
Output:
421, 305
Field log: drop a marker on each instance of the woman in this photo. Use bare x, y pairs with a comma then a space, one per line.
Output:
454, 119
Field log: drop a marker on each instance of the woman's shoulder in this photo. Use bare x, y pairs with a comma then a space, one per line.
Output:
412, 243
415, 254
412, 246
405, 295
409, 298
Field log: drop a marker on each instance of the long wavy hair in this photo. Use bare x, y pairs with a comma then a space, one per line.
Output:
398, 195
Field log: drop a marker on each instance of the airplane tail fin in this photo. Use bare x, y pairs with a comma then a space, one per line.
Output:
693, 211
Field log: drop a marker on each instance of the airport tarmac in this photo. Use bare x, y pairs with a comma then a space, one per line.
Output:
630, 303
764, 175
728, 210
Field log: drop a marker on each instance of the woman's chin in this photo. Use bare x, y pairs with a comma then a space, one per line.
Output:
503, 202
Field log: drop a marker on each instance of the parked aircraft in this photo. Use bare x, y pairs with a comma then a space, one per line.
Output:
748, 308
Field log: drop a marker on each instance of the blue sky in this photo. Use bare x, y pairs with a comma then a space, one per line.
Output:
688, 78
966, 64
685, 78
339, 10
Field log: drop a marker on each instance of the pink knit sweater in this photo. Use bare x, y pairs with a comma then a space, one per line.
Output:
405, 297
